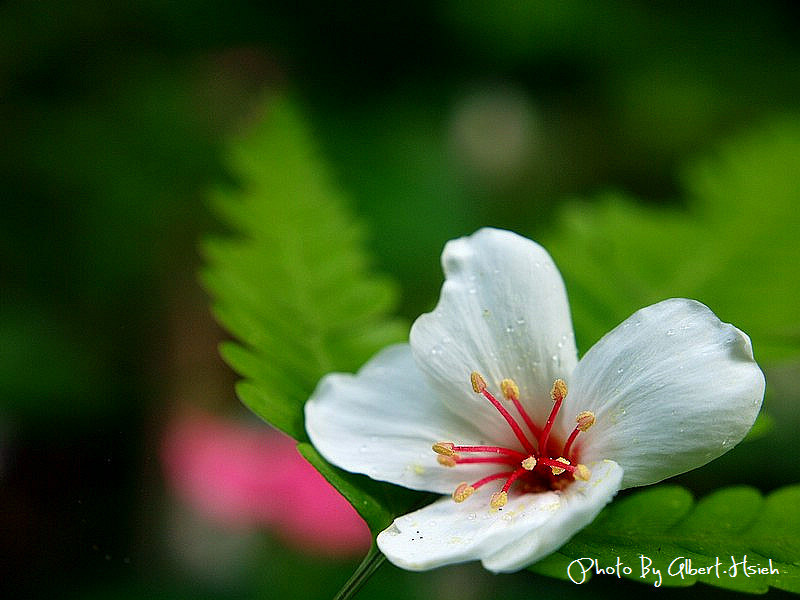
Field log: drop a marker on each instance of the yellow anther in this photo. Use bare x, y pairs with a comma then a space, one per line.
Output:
582, 472
585, 420
559, 391
478, 382
510, 389
558, 470
529, 463
447, 461
444, 448
499, 500
463, 491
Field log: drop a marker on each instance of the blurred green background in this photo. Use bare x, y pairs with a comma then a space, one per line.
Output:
435, 119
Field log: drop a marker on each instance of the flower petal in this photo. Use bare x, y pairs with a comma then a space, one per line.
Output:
529, 527
383, 421
503, 312
672, 388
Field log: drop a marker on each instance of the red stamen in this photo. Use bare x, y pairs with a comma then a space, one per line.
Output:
584, 421
485, 459
496, 449
570, 439
558, 393
492, 477
479, 386
511, 391
512, 478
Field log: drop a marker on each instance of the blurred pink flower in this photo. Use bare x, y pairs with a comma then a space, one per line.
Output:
244, 476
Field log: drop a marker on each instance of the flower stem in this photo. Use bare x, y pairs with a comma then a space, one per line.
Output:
363, 572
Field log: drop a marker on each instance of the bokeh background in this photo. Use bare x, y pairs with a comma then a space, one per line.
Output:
435, 119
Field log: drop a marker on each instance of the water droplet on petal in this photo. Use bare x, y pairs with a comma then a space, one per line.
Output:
520, 321
364, 448
670, 332
472, 516
509, 329
620, 370
437, 350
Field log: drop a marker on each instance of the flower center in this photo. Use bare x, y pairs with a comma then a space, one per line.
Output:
541, 464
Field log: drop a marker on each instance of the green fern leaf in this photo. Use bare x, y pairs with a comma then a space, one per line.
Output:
292, 281
733, 245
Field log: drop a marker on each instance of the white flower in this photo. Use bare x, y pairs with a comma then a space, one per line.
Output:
491, 381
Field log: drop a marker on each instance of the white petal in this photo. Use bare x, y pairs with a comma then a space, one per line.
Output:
383, 421
672, 388
579, 505
526, 529
503, 312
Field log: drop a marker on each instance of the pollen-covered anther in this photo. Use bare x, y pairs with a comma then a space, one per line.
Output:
585, 420
559, 391
444, 448
478, 382
582, 472
463, 491
499, 500
510, 389
447, 461
529, 464
558, 470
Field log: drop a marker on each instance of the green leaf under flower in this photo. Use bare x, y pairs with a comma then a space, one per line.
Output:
664, 524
